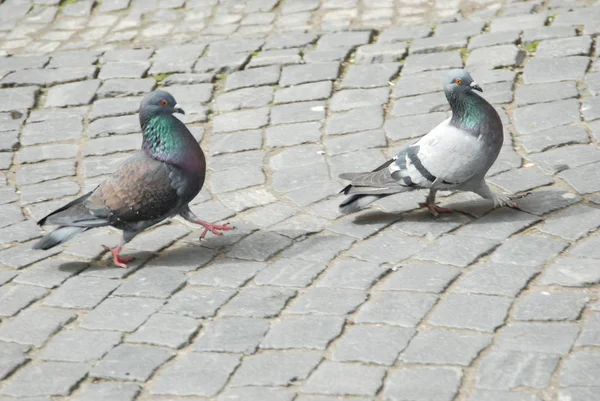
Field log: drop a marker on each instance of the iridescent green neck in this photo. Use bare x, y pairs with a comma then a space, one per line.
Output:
468, 110
159, 139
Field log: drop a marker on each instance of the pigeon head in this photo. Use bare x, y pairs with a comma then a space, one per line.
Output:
460, 81
160, 102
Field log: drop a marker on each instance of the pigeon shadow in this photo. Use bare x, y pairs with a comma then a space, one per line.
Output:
378, 217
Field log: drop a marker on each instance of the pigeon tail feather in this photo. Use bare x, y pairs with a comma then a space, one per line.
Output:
57, 237
356, 203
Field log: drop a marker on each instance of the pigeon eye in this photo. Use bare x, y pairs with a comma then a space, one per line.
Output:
458, 81
163, 102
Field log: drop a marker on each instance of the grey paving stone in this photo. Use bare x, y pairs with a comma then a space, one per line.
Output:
591, 108
422, 277
381, 53
493, 395
590, 334
6, 276
578, 393
289, 273
500, 224
583, 179
244, 98
402, 33
579, 368
539, 117
341, 39
237, 334
359, 119
457, 250
303, 332
496, 56
571, 272
314, 72
327, 301
321, 248
297, 112
166, 330
495, 279
226, 273
124, 69
416, 63
379, 344
195, 374
108, 390
52, 131
369, 76
241, 120
12, 356
508, 370
576, 46
327, 55
293, 134
257, 394
72, 94
572, 223
352, 274
49, 76
398, 308
525, 21
407, 127
188, 79
554, 137
277, 57
345, 379
259, 246
423, 383
236, 142
586, 248
80, 345
48, 322
420, 104
486, 40
380, 249
528, 251
120, 314
81, 292
33, 174
556, 160
198, 302
130, 362
547, 32
287, 40
46, 378
441, 347
179, 58
252, 77
358, 98
125, 87
550, 338
437, 44
113, 107
222, 62
152, 282
304, 92
354, 142
474, 312
113, 125
14, 298
258, 302
543, 305
555, 69
275, 368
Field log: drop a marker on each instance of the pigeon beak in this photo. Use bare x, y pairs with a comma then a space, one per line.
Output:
476, 87
178, 109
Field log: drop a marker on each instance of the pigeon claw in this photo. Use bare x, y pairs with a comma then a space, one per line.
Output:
116, 254
213, 228
435, 209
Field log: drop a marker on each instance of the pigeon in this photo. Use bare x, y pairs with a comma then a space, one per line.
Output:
155, 183
455, 155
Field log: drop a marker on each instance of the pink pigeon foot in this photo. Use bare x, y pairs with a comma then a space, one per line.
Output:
117, 259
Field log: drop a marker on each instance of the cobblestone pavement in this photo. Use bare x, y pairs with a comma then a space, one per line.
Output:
299, 303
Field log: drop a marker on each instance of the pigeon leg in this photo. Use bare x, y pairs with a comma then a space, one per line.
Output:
213, 228
187, 214
431, 206
116, 254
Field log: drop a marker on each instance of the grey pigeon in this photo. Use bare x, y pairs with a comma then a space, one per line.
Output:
455, 155
155, 183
